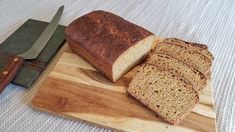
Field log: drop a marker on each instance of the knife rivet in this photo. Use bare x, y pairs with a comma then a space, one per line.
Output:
5, 73
15, 59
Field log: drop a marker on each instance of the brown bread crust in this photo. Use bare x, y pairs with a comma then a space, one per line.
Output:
200, 48
157, 49
101, 37
175, 40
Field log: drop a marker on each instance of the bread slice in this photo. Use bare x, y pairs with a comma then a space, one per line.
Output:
177, 67
108, 42
200, 48
188, 56
170, 96
179, 41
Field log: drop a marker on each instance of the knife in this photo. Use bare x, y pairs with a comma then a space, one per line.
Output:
16, 62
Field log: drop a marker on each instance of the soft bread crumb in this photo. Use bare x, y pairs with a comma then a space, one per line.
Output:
132, 57
170, 96
177, 67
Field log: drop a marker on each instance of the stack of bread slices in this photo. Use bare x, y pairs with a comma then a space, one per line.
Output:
171, 78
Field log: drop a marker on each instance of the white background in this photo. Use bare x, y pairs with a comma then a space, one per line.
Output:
206, 21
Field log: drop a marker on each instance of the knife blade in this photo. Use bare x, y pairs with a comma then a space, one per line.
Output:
41, 42
17, 61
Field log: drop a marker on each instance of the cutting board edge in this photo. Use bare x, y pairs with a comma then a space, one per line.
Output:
97, 124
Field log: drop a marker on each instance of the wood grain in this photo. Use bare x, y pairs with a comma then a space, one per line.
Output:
74, 89
12, 66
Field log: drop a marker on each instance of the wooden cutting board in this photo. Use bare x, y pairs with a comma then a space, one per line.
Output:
76, 90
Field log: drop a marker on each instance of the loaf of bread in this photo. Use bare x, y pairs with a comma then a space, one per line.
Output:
179, 68
200, 48
172, 97
189, 56
108, 42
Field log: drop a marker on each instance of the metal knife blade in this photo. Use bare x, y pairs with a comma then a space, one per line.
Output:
41, 42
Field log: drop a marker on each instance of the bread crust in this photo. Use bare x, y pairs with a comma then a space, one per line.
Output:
175, 40
200, 48
204, 71
101, 37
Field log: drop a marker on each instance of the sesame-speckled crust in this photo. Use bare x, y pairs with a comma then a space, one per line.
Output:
101, 37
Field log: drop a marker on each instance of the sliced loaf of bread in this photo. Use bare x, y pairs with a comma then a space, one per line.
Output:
200, 48
177, 67
187, 55
171, 97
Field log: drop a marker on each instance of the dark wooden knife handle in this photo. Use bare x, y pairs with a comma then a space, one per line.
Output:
9, 71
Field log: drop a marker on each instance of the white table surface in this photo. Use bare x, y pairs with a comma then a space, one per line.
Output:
206, 21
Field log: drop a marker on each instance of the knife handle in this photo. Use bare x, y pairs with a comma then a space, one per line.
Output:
10, 70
